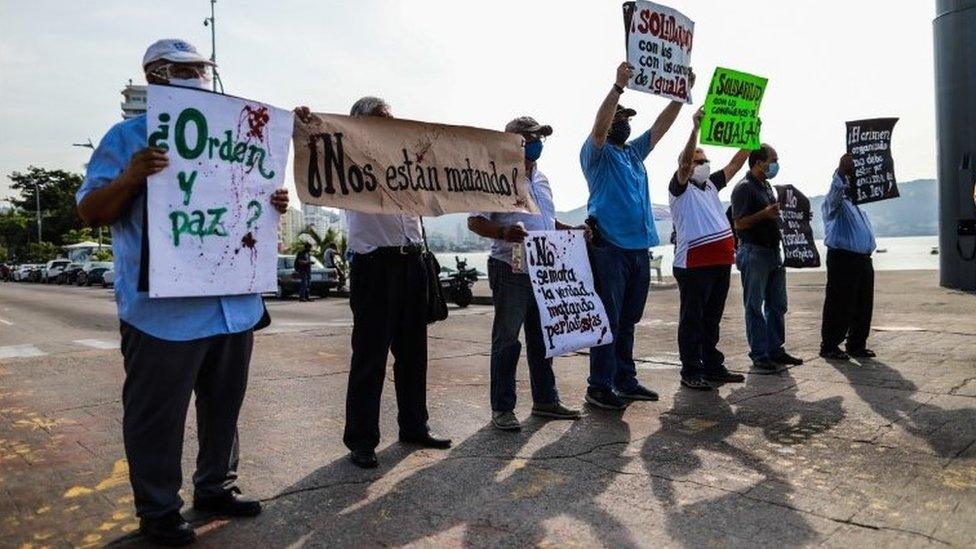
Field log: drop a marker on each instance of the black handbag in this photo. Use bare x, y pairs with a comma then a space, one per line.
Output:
436, 304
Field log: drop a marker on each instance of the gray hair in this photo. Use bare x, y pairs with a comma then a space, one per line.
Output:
367, 106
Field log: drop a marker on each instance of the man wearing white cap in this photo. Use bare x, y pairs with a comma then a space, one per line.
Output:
171, 347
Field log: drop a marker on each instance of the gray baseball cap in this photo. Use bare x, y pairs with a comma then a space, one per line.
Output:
527, 124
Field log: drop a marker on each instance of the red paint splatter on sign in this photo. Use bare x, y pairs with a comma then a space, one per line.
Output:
257, 119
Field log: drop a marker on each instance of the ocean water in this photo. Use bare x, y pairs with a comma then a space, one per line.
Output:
901, 253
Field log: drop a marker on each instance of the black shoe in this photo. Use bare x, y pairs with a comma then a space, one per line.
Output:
170, 530
230, 504
427, 441
765, 365
638, 392
696, 383
787, 359
862, 353
364, 459
834, 354
604, 399
724, 376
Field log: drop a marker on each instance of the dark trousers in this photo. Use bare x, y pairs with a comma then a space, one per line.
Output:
763, 298
159, 377
702, 293
515, 307
849, 303
622, 279
388, 298
304, 282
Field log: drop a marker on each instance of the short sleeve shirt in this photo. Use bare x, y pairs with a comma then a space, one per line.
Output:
620, 198
703, 237
748, 197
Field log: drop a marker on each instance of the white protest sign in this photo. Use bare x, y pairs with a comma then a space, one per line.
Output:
212, 229
571, 312
659, 42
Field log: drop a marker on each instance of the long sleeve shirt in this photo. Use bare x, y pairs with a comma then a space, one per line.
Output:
846, 226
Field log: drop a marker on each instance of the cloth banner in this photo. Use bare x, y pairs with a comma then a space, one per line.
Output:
571, 312
212, 229
385, 165
659, 41
799, 249
869, 144
732, 110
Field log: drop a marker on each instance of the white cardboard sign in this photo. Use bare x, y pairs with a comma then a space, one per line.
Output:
212, 229
571, 312
659, 42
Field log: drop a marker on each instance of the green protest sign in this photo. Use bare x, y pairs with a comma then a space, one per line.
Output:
732, 110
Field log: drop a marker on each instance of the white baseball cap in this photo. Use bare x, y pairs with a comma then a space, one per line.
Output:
175, 50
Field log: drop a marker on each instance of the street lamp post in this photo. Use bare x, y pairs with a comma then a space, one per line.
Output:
37, 195
212, 23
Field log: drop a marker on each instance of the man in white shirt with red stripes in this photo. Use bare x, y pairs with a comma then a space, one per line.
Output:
703, 257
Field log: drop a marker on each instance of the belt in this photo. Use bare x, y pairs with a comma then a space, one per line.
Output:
394, 251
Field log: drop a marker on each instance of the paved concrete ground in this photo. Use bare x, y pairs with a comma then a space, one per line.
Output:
870, 454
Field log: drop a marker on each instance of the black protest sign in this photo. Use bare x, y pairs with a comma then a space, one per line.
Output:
799, 250
869, 144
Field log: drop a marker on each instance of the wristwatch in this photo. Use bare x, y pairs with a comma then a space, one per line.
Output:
619, 90
501, 233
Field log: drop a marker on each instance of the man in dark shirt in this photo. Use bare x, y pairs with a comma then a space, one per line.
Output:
755, 212
303, 268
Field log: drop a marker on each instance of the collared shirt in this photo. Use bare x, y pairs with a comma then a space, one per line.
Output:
620, 199
545, 220
845, 224
748, 197
703, 237
368, 231
173, 319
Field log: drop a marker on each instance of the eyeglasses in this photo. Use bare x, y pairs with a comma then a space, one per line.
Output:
181, 71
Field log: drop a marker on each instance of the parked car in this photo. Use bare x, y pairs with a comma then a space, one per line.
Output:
52, 269
92, 273
22, 270
36, 273
108, 277
324, 278
69, 275
5, 271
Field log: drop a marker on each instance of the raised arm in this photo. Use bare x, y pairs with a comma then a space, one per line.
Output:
604, 116
735, 164
688, 154
667, 117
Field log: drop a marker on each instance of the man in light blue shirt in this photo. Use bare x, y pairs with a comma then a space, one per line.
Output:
512, 295
849, 303
171, 347
620, 210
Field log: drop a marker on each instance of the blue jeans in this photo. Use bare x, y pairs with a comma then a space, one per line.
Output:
622, 279
303, 284
764, 299
515, 306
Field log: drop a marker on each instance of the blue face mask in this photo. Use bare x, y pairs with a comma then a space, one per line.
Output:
772, 170
533, 150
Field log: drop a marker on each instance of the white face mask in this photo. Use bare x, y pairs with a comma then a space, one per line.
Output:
198, 83
701, 172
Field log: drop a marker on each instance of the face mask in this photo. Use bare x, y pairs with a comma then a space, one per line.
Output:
701, 173
198, 83
533, 150
772, 170
619, 132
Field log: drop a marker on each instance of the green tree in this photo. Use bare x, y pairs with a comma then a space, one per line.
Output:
14, 228
41, 252
56, 190
105, 254
74, 236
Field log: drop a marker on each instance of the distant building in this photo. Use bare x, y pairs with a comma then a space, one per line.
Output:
290, 224
317, 218
134, 100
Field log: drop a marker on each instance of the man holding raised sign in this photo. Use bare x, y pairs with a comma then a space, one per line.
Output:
176, 346
619, 208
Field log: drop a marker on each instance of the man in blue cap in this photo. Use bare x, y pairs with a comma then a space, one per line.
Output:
171, 347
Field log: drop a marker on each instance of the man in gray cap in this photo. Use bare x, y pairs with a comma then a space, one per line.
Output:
170, 347
512, 292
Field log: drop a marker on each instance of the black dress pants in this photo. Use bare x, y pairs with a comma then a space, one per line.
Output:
702, 292
160, 375
388, 298
849, 303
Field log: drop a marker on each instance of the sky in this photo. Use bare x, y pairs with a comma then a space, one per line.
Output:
63, 65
